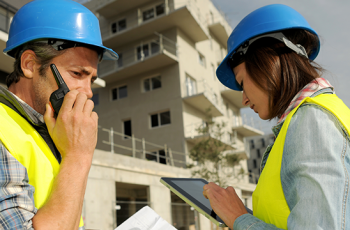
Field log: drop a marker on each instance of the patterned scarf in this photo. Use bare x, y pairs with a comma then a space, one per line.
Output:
307, 91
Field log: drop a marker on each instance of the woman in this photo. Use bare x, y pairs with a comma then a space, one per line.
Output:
304, 182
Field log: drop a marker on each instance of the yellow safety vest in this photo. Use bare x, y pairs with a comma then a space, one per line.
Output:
29, 148
269, 203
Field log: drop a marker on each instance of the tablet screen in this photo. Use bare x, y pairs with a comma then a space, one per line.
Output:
192, 190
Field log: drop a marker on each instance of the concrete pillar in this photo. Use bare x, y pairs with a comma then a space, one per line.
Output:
161, 201
99, 204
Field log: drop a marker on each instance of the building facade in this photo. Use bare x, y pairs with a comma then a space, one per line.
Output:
150, 103
161, 90
258, 145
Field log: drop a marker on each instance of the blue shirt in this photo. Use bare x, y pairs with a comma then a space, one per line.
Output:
315, 172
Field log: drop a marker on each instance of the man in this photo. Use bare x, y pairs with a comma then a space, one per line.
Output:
45, 160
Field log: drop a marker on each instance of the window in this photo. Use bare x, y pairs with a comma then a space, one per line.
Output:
160, 119
118, 26
153, 12
254, 164
142, 52
147, 49
191, 86
252, 144
155, 154
119, 92
263, 142
258, 153
95, 99
127, 129
120, 60
201, 59
148, 14
152, 83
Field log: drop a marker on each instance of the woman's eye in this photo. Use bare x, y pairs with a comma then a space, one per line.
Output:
76, 73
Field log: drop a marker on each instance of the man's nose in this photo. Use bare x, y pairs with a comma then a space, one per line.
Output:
86, 88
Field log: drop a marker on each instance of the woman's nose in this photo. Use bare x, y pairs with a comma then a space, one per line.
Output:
245, 100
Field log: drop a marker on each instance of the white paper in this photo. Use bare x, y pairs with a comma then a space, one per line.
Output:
145, 219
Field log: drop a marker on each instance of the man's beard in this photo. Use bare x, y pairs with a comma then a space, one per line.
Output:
40, 91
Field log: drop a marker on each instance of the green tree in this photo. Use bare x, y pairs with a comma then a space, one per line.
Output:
210, 154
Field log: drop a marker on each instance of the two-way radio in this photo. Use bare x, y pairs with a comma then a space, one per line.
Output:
56, 98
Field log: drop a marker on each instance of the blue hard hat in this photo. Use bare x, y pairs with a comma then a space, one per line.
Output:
267, 19
56, 19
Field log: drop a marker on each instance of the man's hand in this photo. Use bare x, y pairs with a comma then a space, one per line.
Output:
225, 202
74, 132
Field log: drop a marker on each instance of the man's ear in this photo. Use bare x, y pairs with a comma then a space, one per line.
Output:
29, 63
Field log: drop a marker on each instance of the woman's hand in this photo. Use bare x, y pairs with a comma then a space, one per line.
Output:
225, 202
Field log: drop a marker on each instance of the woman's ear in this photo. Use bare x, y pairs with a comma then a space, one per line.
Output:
28, 63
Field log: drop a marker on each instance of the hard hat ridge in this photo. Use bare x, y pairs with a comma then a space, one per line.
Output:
55, 19
266, 20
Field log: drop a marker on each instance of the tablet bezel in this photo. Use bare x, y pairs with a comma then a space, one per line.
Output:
168, 182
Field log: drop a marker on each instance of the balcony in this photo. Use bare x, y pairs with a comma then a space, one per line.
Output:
147, 20
203, 99
218, 30
193, 136
242, 150
6, 14
247, 126
233, 96
148, 55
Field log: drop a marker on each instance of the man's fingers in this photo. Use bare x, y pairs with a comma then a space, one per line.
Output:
69, 100
89, 106
80, 102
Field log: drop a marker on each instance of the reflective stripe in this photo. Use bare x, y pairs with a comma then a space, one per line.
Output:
269, 203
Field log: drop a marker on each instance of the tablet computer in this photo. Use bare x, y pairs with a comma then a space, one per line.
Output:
191, 191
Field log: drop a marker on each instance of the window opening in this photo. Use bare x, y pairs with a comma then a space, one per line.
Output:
119, 92
156, 11
120, 60
118, 26
147, 50
155, 154
258, 153
201, 59
95, 99
127, 129
152, 83
160, 119
191, 86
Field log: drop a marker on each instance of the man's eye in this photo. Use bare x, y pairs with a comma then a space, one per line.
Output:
76, 73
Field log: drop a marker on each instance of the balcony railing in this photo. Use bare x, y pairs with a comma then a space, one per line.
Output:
145, 50
6, 14
142, 149
201, 96
247, 126
250, 121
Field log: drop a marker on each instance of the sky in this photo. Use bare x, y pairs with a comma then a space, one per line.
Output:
328, 18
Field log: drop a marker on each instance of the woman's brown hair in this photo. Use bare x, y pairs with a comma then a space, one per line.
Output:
280, 71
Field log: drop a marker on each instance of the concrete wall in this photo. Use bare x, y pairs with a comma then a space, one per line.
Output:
107, 169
